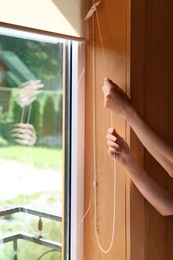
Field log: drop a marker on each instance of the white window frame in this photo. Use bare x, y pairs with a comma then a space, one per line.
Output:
77, 138
77, 152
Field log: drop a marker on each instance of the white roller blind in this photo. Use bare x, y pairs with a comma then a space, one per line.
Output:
59, 16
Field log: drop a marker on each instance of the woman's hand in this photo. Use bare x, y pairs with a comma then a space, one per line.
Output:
26, 93
115, 98
24, 134
118, 149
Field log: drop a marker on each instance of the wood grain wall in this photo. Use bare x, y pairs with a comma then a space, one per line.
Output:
152, 92
113, 20
138, 43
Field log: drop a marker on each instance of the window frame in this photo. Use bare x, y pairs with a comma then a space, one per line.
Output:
73, 141
77, 151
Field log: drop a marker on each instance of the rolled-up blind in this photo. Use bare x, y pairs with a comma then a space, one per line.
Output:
64, 17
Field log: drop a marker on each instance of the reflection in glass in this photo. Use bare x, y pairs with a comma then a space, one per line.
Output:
30, 142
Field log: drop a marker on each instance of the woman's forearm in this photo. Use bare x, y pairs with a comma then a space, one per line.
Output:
117, 101
161, 150
159, 198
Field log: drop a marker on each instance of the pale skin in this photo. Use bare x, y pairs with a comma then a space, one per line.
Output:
27, 92
24, 134
118, 102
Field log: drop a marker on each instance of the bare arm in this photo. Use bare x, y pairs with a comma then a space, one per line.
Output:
117, 101
159, 198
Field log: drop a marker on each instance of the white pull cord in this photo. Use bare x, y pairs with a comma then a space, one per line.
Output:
94, 150
101, 41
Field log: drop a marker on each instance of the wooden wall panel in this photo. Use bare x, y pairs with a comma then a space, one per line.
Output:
141, 232
151, 91
114, 29
137, 202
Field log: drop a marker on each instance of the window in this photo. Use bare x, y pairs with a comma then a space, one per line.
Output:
42, 79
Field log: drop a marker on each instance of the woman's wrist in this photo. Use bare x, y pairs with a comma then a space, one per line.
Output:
129, 110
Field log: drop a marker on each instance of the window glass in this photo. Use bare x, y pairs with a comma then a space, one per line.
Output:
32, 74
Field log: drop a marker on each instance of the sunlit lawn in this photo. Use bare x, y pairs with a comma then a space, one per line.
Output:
41, 157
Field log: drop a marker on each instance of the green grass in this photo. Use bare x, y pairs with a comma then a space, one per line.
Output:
25, 222
28, 250
40, 157
51, 197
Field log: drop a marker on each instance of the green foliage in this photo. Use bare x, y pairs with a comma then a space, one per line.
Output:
35, 117
5, 127
45, 61
4, 118
49, 117
42, 58
17, 113
59, 116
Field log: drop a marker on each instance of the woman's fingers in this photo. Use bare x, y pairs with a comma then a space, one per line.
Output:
112, 144
113, 152
24, 134
111, 137
27, 92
